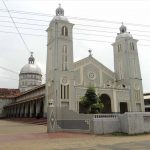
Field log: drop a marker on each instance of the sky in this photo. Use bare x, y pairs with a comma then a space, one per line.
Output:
96, 24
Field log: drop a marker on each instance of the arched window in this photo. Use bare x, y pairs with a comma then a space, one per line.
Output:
64, 91
137, 94
132, 46
134, 70
64, 58
119, 48
120, 70
64, 31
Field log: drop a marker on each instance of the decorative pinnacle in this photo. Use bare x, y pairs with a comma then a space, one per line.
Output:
59, 11
90, 52
123, 28
31, 59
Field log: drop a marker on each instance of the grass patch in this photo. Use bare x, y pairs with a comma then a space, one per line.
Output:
120, 134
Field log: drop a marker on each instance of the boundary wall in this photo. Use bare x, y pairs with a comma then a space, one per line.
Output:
62, 119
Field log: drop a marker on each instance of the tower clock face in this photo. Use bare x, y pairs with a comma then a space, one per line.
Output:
64, 80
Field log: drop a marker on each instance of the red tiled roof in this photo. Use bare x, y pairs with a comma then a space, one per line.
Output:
9, 93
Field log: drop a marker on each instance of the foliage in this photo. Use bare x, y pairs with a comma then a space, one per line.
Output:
91, 102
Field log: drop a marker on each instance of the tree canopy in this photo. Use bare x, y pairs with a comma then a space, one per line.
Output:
90, 102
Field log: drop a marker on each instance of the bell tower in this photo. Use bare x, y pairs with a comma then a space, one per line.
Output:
59, 69
127, 68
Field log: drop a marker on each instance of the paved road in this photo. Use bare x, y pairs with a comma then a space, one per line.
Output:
21, 136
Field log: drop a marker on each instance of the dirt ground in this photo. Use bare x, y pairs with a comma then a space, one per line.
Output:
22, 136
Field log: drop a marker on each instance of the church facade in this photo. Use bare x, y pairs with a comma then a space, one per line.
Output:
67, 81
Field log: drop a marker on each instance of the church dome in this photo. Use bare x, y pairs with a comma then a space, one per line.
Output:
31, 67
123, 32
62, 18
60, 14
30, 75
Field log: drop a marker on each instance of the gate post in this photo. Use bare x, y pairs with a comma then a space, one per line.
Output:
51, 117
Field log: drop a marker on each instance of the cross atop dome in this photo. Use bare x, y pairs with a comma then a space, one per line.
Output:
59, 11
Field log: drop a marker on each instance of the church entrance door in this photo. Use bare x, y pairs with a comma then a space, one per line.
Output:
106, 102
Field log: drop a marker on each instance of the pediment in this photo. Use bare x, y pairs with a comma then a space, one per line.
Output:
91, 62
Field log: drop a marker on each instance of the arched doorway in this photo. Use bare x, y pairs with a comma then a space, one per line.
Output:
106, 102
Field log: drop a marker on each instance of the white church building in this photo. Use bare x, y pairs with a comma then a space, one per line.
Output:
67, 81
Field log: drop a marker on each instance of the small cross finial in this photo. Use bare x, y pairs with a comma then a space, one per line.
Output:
90, 52
31, 53
122, 23
59, 5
